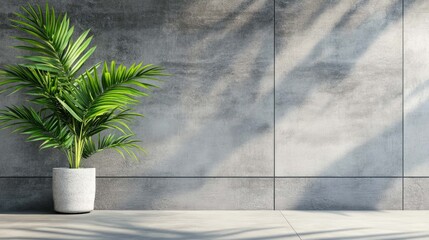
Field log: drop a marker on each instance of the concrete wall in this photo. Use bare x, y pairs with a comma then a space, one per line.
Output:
286, 104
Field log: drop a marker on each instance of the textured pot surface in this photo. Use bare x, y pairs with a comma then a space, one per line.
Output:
73, 189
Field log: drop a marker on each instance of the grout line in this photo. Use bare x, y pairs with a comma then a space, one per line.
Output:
269, 177
290, 225
338, 176
263, 177
274, 106
416, 177
403, 118
25, 177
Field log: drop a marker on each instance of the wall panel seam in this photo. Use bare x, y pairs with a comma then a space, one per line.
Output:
403, 114
274, 103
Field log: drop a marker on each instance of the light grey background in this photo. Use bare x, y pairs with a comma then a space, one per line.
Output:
285, 104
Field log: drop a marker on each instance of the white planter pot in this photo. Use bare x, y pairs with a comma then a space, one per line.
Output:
73, 189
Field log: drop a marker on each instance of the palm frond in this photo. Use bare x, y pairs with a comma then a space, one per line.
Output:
122, 144
50, 39
17, 77
27, 121
113, 120
117, 88
40, 85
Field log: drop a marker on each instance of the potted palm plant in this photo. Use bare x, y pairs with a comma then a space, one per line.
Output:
80, 112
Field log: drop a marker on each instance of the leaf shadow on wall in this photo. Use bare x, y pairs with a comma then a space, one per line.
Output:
198, 153
379, 155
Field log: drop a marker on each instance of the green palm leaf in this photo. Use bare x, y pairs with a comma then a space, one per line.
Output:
17, 77
118, 87
39, 127
51, 41
122, 144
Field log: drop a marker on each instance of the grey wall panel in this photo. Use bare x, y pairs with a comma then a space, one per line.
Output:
20, 158
416, 105
214, 116
26, 194
416, 90
338, 88
416, 193
35, 194
184, 193
338, 193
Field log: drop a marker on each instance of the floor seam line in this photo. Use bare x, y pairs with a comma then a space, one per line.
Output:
290, 225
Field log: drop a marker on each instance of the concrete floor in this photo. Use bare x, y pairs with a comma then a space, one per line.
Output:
218, 225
